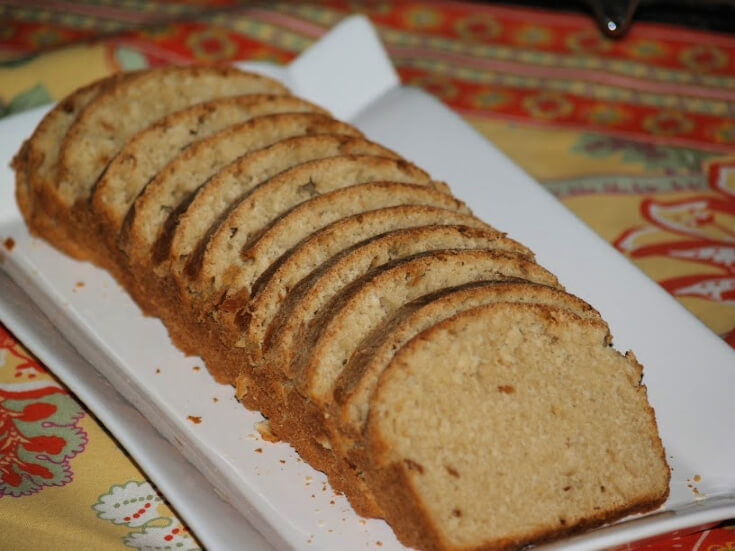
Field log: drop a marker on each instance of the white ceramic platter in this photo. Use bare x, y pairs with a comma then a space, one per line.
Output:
689, 371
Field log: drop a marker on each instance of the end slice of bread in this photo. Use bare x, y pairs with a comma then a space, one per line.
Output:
511, 424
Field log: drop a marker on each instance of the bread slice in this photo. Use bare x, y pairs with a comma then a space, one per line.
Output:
35, 163
310, 216
219, 270
355, 385
151, 149
114, 116
156, 208
212, 200
272, 287
539, 429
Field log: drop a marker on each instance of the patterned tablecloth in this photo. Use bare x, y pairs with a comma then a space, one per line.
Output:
636, 136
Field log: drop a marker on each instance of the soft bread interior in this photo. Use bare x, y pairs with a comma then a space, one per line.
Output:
508, 423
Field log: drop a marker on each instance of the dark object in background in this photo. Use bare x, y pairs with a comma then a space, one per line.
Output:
616, 16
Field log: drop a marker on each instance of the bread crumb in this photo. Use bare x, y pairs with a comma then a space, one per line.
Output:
697, 478
379, 543
283, 461
215, 399
158, 370
266, 432
196, 419
258, 450
79, 284
506, 389
196, 368
9, 243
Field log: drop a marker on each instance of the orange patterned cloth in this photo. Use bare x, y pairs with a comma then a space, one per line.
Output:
636, 137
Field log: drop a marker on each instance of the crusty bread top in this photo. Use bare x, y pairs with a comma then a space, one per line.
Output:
537, 429
114, 116
279, 194
169, 191
359, 377
271, 288
153, 147
303, 313
298, 223
38, 156
212, 200
367, 302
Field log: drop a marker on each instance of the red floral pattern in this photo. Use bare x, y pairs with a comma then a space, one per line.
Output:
39, 430
700, 229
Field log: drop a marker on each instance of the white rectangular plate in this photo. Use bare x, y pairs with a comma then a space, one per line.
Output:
689, 371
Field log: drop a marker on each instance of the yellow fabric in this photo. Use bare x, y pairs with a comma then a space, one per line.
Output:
59, 72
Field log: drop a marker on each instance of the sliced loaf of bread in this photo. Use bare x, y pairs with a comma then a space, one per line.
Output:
510, 424
440, 377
